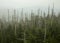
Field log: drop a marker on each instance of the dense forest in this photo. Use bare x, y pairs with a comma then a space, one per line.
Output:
36, 29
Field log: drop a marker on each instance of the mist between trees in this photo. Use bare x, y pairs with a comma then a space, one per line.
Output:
30, 29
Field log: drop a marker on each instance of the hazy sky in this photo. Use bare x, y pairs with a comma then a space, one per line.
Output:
28, 3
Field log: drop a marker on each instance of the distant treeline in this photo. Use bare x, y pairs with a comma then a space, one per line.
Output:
35, 29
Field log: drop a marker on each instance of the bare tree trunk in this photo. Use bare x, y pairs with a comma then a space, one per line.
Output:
52, 14
8, 15
1, 34
45, 29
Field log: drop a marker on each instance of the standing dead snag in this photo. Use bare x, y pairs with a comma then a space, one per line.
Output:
15, 21
52, 15
1, 33
45, 28
14, 24
8, 15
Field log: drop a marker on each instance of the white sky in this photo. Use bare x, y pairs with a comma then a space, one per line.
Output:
28, 3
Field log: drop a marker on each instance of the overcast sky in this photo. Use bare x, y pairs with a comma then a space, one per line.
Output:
28, 3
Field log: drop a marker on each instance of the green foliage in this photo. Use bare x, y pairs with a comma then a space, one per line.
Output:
32, 31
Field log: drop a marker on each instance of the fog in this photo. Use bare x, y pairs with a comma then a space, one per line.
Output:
28, 4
